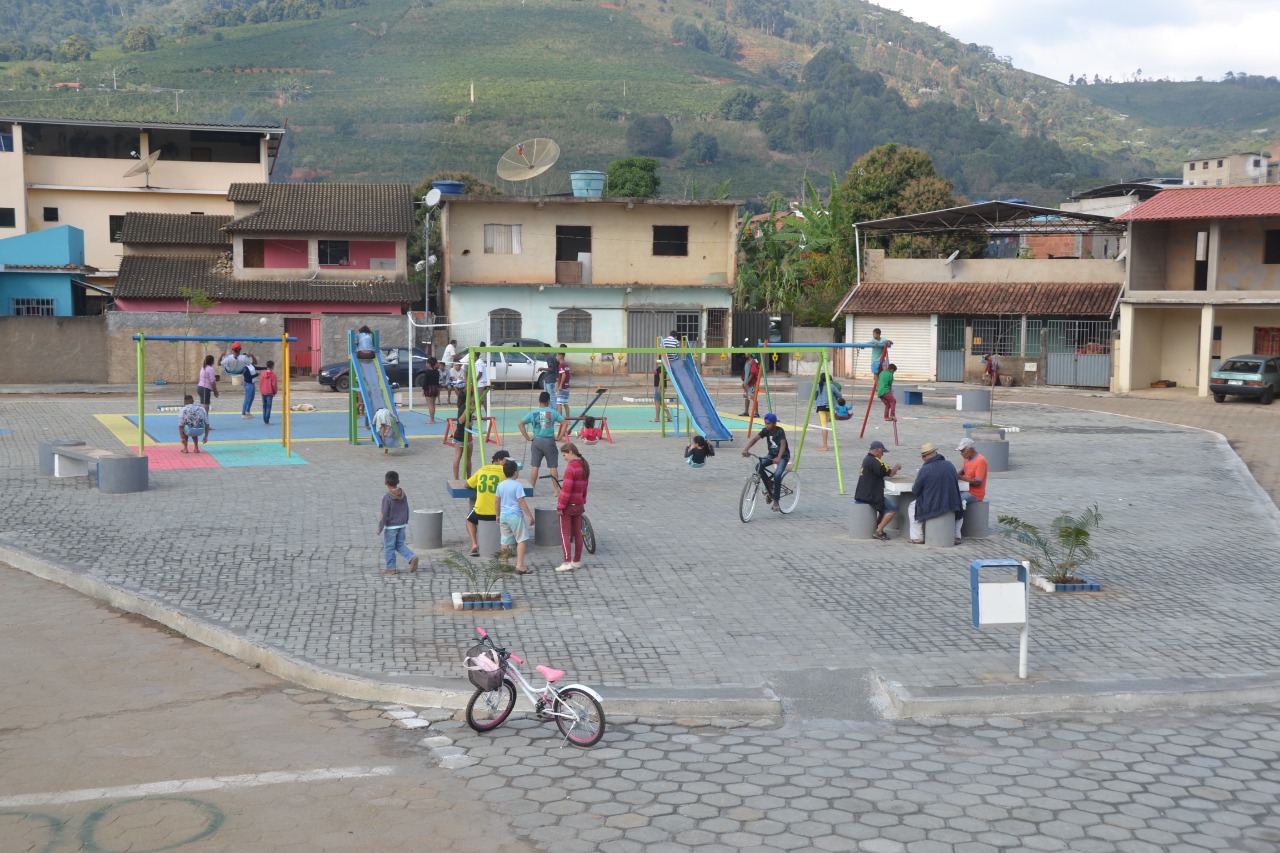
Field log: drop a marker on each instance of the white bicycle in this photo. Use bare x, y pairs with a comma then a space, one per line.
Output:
577, 709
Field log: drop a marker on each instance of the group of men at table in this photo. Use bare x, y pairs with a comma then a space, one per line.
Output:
936, 489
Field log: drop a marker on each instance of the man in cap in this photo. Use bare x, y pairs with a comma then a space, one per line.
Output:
973, 472
937, 492
233, 361
485, 482
779, 456
870, 488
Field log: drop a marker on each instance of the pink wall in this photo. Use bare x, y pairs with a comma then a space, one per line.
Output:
285, 254
363, 250
179, 305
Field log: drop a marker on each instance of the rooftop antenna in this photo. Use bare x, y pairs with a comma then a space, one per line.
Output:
144, 167
527, 160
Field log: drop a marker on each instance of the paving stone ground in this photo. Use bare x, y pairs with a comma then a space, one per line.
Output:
683, 599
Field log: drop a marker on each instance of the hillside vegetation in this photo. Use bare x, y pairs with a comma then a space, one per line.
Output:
393, 90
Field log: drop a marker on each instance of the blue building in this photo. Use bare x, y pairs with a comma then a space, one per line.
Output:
43, 274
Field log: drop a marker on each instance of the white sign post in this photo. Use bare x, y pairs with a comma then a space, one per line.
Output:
1001, 602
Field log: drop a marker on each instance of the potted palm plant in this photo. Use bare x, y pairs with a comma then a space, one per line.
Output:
482, 577
1060, 551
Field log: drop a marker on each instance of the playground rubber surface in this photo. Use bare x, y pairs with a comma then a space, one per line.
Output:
683, 608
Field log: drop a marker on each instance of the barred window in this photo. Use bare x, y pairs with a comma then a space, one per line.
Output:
573, 326
671, 240
688, 326
502, 239
24, 306
998, 335
504, 325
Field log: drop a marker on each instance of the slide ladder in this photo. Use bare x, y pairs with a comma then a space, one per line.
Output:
369, 378
695, 399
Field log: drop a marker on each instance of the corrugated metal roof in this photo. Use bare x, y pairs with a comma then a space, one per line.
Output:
383, 209
1208, 203
143, 125
175, 228
1054, 299
143, 277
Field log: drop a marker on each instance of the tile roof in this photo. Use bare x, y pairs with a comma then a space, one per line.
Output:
181, 228
1057, 299
143, 277
1208, 203
383, 209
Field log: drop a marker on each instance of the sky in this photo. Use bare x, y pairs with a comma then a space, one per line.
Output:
1178, 39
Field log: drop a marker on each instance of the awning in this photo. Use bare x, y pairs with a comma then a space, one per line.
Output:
94, 287
994, 216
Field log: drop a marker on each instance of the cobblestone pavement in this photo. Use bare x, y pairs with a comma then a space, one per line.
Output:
683, 602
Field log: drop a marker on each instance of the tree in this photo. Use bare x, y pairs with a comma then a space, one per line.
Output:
704, 148
650, 135
76, 48
740, 106
634, 177
139, 39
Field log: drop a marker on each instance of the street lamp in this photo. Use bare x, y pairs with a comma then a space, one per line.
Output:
430, 200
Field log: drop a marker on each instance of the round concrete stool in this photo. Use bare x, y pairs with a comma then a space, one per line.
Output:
488, 537
546, 527
426, 529
44, 459
940, 531
118, 475
977, 520
973, 400
862, 520
995, 451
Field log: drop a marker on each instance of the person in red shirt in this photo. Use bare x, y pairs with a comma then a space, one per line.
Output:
973, 472
571, 505
268, 387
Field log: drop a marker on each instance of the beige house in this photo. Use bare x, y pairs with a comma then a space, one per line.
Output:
90, 174
1203, 283
1231, 170
606, 272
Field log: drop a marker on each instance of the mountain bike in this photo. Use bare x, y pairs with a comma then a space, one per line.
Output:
788, 494
577, 709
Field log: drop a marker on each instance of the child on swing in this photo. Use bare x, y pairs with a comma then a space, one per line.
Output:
590, 433
695, 455
843, 410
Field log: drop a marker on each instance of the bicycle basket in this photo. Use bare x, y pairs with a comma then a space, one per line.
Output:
484, 668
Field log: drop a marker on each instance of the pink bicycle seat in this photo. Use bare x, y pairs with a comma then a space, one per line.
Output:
551, 674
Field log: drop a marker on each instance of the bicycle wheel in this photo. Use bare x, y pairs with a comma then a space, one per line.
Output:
750, 490
588, 535
789, 495
580, 717
489, 709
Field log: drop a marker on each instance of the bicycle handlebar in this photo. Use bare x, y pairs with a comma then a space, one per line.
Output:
481, 631
499, 649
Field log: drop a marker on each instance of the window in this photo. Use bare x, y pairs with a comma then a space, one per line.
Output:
502, 239
504, 324
334, 253
997, 335
1219, 164
115, 224
671, 240
1271, 247
1193, 167
32, 307
51, 214
8, 217
688, 325
573, 326
6, 138
1257, 164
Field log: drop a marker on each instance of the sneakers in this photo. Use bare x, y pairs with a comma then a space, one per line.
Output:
413, 564
564, 567
575, 565
958, 540
389, 573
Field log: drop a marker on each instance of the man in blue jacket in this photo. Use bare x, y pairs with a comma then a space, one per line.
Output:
937, 492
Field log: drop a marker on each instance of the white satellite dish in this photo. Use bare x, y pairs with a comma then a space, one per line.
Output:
433, 197
144, 167
528, 159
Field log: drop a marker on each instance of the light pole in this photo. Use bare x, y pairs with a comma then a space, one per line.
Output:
430, 200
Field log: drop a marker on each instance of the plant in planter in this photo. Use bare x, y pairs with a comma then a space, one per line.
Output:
481, 577
1060, 551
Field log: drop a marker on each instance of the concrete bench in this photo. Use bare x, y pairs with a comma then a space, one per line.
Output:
118, 473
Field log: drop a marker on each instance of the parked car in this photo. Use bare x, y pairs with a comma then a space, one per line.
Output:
395, 360
1255, 376
507, 368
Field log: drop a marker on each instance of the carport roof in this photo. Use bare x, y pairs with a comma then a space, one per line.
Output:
988, 216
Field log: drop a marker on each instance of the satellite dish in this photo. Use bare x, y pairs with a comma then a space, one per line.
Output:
528, 160
144, 167
433, 197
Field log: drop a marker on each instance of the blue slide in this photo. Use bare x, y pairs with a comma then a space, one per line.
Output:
371, 380
695, 399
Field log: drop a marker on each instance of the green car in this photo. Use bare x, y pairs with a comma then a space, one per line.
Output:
1255, 376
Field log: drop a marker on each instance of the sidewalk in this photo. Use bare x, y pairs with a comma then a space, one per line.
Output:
685, 611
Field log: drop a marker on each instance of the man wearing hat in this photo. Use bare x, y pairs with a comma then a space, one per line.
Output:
870, 488
937, 492
485, 482
973, 472
779, 456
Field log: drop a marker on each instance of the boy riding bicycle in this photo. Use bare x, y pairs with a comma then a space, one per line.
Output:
779, 456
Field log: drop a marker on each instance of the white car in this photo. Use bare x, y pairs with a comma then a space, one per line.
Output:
513, 368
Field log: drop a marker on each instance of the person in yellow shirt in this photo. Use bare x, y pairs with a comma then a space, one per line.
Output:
485, 482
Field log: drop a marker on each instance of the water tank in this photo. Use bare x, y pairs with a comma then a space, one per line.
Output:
587, 184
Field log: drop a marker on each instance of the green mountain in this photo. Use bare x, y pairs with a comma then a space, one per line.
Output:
758, 93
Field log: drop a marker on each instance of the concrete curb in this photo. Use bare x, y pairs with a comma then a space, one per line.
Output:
452, 695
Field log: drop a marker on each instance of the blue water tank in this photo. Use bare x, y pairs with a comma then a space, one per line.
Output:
587, 184
448, 187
